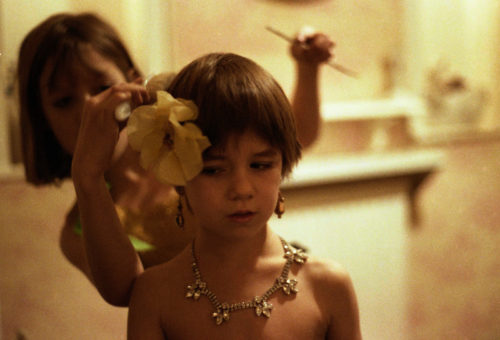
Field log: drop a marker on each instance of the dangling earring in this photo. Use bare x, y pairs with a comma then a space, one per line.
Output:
280, 206
179, 217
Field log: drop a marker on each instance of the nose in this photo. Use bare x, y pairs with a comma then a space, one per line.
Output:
241, 185
81, 102
86, 95
82, 95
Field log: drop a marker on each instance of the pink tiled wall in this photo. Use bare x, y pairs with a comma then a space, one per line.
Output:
454, 269
41, 295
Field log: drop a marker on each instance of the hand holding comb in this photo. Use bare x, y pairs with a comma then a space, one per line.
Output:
332, 64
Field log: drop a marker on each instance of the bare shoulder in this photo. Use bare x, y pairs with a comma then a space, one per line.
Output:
152, 294
330, 281
154, 279
148, 286
326, 272
334, 291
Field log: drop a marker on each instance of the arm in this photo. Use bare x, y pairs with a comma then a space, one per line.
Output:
113, 262
144, 320
309, 51
71, 244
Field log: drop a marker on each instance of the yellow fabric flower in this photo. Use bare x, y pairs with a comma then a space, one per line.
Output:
169, 144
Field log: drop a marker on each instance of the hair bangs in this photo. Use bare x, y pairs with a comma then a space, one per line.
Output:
234, 109
234, 95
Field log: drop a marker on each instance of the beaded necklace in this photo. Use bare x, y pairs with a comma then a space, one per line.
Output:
259, 303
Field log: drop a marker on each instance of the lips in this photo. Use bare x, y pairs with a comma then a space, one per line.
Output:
242, 216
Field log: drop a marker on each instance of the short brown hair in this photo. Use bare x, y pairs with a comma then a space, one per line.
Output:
233, 95
58, 39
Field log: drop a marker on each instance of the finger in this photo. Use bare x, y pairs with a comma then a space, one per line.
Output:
109, 99
140, 97
117, 102
137, 93
138, 80
119, 93
305, 33
321, 41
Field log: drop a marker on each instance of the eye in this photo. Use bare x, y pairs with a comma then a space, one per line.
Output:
104, 88
261, 165
62, 102
101, 84
212, 170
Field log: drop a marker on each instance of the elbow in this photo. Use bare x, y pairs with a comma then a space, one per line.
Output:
115, 298
306, 141
116, 288
308, 132
115, 291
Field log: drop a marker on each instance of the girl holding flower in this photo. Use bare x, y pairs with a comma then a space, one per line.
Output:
73, 71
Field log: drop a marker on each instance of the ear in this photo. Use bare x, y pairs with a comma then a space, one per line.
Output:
182, 193
132, 74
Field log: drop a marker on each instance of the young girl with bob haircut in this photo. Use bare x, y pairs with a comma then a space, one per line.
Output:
73, 71
237, 279
71, 64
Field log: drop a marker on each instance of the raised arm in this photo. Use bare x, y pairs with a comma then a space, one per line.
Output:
113, 262
309, 50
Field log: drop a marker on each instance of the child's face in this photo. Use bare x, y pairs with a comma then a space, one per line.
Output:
237, 191
63, 103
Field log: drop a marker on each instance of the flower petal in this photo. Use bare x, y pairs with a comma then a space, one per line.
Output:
140, 123
190, 130
169, 170
189, 154
182, 108
185, 110
170, 146
151, 149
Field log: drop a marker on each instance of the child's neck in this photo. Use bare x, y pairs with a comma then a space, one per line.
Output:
217, 252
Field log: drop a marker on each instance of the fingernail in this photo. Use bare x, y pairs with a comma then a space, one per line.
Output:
122, 111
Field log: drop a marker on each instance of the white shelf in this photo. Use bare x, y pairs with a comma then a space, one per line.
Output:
328, 169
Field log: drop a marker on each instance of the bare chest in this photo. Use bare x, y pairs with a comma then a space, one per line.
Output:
290, 317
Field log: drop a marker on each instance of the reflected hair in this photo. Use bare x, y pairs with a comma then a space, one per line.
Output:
235, 95
60, 40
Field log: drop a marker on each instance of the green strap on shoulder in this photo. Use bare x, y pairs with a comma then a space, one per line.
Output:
138, 244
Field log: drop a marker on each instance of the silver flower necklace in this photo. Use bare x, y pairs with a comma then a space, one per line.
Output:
259, 303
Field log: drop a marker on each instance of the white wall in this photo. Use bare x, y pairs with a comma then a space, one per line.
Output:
364, 227
12, 30
464, 36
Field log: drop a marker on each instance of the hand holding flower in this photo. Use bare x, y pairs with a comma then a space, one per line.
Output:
170, 145
98, 143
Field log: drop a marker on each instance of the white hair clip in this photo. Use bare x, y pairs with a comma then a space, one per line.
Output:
153, 83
